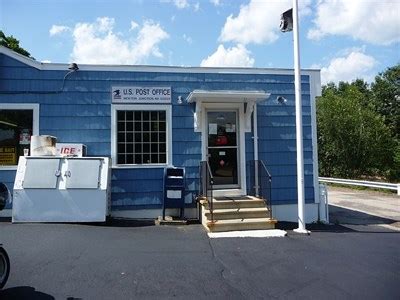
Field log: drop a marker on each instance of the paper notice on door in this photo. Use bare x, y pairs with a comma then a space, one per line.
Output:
212, 128
222, 153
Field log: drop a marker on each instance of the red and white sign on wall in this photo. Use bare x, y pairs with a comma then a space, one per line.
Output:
64, 149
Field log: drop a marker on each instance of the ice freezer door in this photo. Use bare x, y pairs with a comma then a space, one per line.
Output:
82, 174
41, 173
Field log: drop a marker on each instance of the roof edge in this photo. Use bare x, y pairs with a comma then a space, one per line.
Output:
151, 68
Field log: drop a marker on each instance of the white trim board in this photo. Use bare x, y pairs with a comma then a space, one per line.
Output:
315, 91
35, 121
144, 107
190, 213
205, 107
287, 212
158, 69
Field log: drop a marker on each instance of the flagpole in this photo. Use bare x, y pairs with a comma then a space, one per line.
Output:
299, 123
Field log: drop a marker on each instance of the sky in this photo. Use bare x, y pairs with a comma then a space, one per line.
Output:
346, 39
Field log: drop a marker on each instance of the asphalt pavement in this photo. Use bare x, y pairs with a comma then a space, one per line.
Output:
135, 260
364, 207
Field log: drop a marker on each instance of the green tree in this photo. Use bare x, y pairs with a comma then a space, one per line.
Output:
13, 44
386, 98
386, 101
353, 139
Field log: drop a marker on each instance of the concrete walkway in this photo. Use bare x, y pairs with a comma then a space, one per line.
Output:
363, 207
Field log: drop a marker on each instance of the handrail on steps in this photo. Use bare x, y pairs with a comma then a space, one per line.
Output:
206, 186
261, 183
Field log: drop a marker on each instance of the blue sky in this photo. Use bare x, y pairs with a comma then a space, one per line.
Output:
345, 39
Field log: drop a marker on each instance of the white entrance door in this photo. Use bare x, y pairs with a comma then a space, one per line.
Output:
223, 151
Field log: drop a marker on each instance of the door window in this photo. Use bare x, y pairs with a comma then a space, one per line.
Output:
223, 148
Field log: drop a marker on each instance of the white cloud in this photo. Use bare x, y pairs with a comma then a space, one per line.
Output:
216, 2
187, 38
258, 21
58, 29
134, 25
237, 56
96, 43
181, 3
376, 22
347, 68
148, 38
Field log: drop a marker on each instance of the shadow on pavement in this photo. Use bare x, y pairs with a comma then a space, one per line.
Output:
343, 220
24, 292
315, 227
341, 215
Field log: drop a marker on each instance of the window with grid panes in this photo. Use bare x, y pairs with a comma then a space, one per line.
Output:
141, 137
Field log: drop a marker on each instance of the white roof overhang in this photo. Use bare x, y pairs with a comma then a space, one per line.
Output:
248, 98
227, 96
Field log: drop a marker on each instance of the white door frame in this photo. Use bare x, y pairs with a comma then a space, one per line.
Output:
241, 143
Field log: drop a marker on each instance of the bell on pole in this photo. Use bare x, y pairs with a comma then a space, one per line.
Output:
286, 21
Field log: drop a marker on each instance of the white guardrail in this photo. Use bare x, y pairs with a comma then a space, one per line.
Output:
370, 184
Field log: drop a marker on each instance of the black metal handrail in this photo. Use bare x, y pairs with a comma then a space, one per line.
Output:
261, 183
206, 185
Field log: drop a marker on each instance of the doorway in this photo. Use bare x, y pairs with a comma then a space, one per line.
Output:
223, 149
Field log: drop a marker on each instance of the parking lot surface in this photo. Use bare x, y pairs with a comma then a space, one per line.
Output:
364, 207
130, 260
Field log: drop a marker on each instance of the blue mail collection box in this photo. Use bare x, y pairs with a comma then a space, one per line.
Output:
174, 189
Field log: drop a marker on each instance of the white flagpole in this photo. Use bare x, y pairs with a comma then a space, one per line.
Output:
299, 123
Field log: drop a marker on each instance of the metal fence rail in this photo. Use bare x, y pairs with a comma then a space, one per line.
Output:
370, 184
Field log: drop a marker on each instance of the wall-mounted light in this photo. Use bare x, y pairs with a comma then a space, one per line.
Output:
281, 100
73, 67
179, 100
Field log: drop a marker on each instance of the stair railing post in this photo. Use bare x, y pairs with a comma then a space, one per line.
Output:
256, 179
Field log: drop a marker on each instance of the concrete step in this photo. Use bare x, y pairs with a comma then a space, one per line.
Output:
237, 213
241, 224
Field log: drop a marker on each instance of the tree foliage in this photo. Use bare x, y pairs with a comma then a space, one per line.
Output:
13, 44
358, 128
386, 97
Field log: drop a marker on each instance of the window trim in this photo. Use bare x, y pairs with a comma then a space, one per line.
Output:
35, 107
135, 107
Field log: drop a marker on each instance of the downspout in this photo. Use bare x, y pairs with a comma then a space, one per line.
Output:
255, 141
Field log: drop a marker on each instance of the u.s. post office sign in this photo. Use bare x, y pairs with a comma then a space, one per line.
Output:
140, 94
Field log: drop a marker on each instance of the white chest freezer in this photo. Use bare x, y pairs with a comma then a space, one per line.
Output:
57, 189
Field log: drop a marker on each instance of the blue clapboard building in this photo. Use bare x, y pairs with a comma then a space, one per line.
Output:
146, 118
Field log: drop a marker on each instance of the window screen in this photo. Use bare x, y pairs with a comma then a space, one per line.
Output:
15, 134
141, 137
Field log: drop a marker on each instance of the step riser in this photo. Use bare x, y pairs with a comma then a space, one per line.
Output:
238, 215
238, 227
249, 214
248, 204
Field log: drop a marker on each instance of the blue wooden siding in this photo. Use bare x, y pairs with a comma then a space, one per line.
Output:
82, 114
